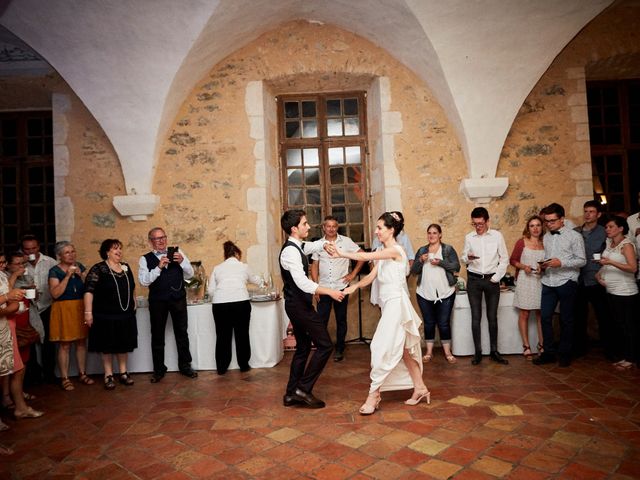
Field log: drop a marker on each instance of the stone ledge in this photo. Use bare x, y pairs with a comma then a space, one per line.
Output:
482, 190
137, 207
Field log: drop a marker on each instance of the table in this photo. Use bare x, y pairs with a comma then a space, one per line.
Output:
267, 329
509, 340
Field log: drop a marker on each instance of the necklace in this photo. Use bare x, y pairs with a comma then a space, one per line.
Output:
124, 309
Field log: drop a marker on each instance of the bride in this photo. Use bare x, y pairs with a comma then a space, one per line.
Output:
395, 349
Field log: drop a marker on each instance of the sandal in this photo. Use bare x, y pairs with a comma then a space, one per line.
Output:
66, 385
86, 379
451, 359
7, 402
28, 396
5, 450
125, 379
427, 358
28, 413
540, 349
525, 349
109, 383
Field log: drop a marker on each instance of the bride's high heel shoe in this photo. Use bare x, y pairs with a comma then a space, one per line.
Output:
426, 394
368, 409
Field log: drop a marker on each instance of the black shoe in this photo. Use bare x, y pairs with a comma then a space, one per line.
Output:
544, 359
308, 399
125, 379
564, 361
291, 400
477, 358
156, 377
338, 357
496, 357
245, 369
188, 372
109, 383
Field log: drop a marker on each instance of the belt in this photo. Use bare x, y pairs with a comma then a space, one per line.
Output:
480, 275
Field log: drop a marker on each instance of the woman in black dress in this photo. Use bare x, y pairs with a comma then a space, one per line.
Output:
109, 311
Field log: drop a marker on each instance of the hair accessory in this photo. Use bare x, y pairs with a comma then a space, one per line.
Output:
395, 216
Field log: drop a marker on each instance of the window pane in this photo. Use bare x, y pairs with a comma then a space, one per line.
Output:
34, 127
595, 135
352, 126
311, 158
294, 158
634, 133
353, 175
339, 213
614, 164
49, 193
291, 110
10, 215
34, 146
36, 215
354, 194
312, 176
9, 147
296, 197
308, 109
593, 96
333, 108
293, 129
309, 128
10, 235
594, 116
615, 184
48, 126
355, 214
334, 127
9, 175
336, 175
8, 195
598, 164
612, 135
356, 233
313, 197
36, 194
351, 106
611, 116
314, 215
315, 233
295, 177
610, 95
616, 203
9, 128
353, 155
336, 156
337, 196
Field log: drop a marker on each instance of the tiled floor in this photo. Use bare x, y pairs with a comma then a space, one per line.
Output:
518, 421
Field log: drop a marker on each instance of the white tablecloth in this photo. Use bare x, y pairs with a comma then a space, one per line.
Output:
509, 340
266, 332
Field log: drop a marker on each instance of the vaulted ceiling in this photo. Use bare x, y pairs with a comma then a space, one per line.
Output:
133, 63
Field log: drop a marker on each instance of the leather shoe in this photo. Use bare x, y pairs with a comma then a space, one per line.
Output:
544, 359
291, 400
157, 376
477, 358
308, 399
189, 372
496, 357
338, 357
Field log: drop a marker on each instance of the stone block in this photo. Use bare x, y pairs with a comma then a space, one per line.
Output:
392, 198
575, 73
65, 218
391, 122
582, 132
579, 114
253, 99
60, 129
577, 99
256, 199
584, 187
260, 173
582, 171
259, 150
256, 128
60, 160
384, 85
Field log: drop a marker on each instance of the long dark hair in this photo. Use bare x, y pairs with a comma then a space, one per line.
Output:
392, 220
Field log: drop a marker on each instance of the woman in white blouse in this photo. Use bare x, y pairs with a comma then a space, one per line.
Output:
619, 265
231, 307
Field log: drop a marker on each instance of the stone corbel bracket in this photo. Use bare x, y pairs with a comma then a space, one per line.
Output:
136, 207
482, 190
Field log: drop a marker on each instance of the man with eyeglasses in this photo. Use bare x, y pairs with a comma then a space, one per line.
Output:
487, 259
167, 294
565, 254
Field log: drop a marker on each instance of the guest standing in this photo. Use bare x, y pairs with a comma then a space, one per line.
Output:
564, 254
167, 294
619, 265
436, 265
395, 348
485, 254
527, 253
66, 285
109, 311
231, 307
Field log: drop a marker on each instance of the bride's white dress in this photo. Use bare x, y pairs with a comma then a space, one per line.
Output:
397, 329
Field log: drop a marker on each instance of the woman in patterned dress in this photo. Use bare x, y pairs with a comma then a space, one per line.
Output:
527, 253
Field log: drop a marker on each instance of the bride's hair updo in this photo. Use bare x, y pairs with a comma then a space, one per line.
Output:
393, 220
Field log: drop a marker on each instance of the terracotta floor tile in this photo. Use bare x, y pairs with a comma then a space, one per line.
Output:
580, 422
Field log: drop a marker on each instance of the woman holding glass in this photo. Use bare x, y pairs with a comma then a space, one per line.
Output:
527, 253
436, 265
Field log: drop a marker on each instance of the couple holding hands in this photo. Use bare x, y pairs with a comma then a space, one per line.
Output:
395, 348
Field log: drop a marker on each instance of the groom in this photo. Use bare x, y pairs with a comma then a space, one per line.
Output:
307, 325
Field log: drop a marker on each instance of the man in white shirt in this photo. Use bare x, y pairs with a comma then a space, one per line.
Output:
487, 259
38, 266
334, 273
167, 294
308, 327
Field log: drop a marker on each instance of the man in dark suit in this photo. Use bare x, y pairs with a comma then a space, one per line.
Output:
308, 327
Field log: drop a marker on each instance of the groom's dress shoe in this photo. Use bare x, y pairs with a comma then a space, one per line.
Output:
496, 357
291, 400
308, 399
